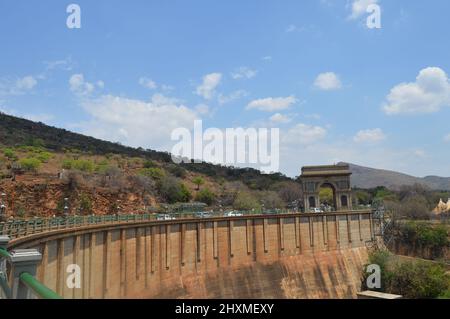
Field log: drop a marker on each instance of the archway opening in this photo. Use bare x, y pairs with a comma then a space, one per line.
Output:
327, 197
344, 201
312, 202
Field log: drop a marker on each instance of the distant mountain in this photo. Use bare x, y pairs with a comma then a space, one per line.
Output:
365, 177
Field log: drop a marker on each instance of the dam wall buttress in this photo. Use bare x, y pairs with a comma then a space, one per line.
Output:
273, 256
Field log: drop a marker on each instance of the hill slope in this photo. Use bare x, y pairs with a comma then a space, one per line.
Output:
365, 177
16, 131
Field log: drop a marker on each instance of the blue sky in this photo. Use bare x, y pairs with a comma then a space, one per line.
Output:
337, 90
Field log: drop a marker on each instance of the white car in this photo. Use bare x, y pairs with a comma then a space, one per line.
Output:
316, 210
233, 214
165, 217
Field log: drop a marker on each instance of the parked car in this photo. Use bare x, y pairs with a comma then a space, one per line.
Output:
233, 214
203, 215
316, 210
165, 217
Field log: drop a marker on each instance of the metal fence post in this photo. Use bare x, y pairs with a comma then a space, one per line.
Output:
4, 240
23, 260
6, 291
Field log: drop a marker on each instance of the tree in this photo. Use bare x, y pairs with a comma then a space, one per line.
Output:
246, 201
198, 181
290, 192
363, 197
326, 195
85, 204
271, 200
173, 191
184, 194
205, 196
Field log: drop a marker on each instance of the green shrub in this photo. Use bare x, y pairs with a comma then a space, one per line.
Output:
424, 235
205, 196
419, 279
184, 194
413, 279
9, 153
154, 172
30, 164
176, 170
150, 164
103, 166
85, 204
67, 164
44, 156
83, 165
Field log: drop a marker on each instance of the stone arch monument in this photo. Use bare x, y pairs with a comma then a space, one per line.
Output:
337, 177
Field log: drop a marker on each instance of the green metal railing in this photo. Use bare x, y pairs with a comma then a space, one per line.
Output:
37, 287
26, 280
21, 228
4, 253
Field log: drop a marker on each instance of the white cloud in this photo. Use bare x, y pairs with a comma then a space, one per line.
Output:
419, 153
359, 8
271, 104
129, 121
208, 86
224, 99
428, 94
369, 136
26, 83
447, 138
17, 86
79, 86
279, 118
243, 72
313, 116
304, 134
266, 58
147, 83
328, 81
65, 64
202, 109
294, 28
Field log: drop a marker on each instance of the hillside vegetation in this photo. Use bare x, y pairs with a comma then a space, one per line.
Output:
40, 166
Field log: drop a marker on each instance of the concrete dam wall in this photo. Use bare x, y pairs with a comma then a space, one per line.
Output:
276, 256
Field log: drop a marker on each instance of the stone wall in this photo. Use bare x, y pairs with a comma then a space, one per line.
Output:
280, 256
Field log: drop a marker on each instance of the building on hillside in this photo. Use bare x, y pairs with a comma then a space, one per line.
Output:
442, 207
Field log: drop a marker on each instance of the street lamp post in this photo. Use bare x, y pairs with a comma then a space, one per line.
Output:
3, 207
66, 207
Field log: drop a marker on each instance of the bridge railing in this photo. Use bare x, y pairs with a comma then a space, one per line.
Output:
21, 228
20, 266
